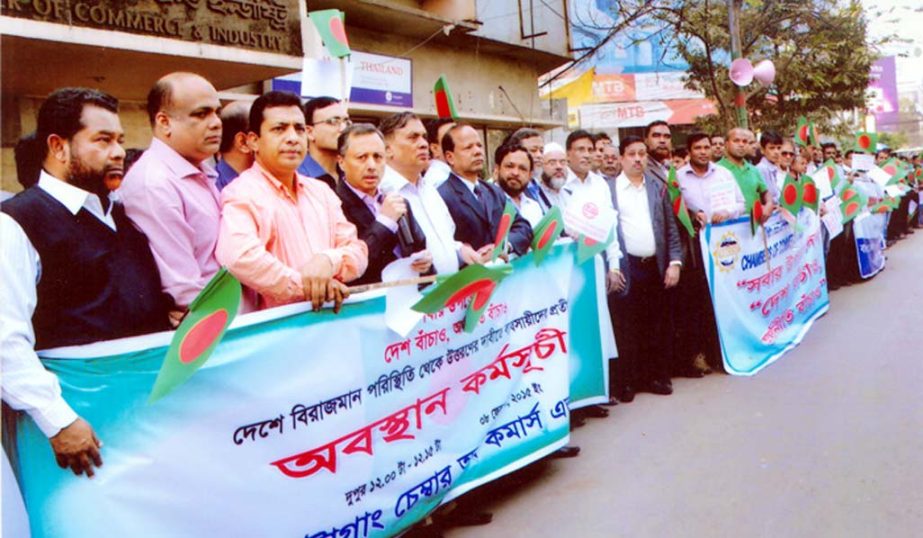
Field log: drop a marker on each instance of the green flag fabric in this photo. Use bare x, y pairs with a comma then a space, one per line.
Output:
474, 282
810, 198
676, 200
866, 142
804, 133
209, 316
546, 233
329, 24
503, 230
790, 195
445, 105
587, 247
852, 203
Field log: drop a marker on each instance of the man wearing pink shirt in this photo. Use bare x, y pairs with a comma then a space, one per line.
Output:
282, 234
170, 194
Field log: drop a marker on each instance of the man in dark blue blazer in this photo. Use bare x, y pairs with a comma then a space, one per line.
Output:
651, 263
383, 221
475, 205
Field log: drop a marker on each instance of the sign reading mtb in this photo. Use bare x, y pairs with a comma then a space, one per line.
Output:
264, 25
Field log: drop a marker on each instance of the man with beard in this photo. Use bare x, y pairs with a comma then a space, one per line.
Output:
74, 270
475, 205
383, 221
326, 117
284, 235
532, 140
512, 171
170, 193
554, 175
771, 146
748, 178
659, 143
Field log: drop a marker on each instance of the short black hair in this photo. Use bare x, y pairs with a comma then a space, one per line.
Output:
447, 142
506, 149
517, 136
849, 152
770, 137
233, 122
432, 128
601, 136
396, 121
62, 110
651, 125
273, 99
826, 145
579, 134
354, 130
695, 137
28, 154
627, 141
682, 153
316, 104
131, 157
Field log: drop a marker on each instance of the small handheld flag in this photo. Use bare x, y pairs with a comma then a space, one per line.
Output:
475, 282
547, 232
805, 134
866, 142
790, 195
677, 202
445, 105
503, 230
329, 24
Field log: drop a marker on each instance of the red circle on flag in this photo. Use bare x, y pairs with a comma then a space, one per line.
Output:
791, 194
803, 133
338, 30
865, 141
547, 235
830, 173
202, 335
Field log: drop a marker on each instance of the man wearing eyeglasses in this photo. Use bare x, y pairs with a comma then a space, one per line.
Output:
787, 156
327, 118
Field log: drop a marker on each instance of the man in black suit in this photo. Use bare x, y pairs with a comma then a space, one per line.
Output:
475, 205
649, 237
382, 221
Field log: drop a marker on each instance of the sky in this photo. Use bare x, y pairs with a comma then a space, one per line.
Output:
904, 18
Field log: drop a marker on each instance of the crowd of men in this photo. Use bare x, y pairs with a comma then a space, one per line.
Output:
298, 203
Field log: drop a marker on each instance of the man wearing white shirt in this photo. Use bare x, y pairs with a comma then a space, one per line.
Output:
771, 146
512, 172
651, 265
408, 155
583, 183
74, 270
438, 170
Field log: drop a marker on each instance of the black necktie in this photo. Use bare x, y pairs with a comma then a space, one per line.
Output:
482, 197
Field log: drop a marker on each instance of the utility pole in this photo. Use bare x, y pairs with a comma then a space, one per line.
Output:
740, 97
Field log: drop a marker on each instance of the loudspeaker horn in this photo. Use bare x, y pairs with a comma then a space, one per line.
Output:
764, 73
741, 72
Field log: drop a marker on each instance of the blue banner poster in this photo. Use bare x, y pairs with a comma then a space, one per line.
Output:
869, 231
767, 289
320, 425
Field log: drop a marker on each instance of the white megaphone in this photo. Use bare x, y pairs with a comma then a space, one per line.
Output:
741, 72
764, 73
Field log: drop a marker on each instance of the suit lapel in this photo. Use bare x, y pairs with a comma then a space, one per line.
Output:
355, 207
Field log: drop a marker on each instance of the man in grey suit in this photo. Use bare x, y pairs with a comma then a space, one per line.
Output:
649, 237
658, 139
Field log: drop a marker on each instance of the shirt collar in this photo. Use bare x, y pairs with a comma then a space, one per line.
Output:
177, 163
278, 184
73, 198
312, 168
689, 171
363, 196
623, 182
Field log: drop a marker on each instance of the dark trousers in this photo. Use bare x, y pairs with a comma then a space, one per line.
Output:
640, 325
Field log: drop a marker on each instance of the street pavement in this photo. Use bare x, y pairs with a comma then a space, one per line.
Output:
826, 442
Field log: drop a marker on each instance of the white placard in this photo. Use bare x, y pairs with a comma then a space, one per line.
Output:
879, 176
331, 77
822, 179
586, 216
863, 161
833, 217
722, 197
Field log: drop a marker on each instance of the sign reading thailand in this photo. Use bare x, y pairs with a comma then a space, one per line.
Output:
375, 80
263, 25
321, 425
767, 290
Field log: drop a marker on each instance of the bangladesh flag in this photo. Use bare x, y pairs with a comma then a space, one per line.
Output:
866, 142
852, 203
329, 24
676, 200
588, 247
546, 233
756, 215
503, 230
805, 134
894, 169
833, 174
810, 198
475, 282
790, 195
445, 105
209, 316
